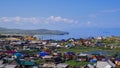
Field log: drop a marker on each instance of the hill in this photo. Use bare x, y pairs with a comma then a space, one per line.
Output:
31, 32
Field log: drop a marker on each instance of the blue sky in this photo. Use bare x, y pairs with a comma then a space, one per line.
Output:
59, 14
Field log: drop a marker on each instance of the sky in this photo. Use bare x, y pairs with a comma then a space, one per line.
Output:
59, 14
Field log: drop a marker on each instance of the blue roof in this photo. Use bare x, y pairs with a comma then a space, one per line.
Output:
43, 53
18, 54
70, 53
118, 59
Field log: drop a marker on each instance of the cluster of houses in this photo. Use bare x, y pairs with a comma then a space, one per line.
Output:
33, 53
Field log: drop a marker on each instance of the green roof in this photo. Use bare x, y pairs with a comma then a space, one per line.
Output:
29, 63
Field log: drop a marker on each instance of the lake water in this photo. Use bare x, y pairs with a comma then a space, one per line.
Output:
83, 33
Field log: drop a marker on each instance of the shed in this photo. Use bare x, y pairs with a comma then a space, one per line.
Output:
103, 64
48, 59
18, 55
69, 45
82, 57
29, 63
69, 55
10, 66
62, 65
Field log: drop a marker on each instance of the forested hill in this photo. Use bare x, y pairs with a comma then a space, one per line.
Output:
31, 32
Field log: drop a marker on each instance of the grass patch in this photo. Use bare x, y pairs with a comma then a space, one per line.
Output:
79, 49
39, 61
76, 63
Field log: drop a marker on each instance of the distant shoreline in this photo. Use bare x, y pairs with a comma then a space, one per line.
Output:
31, 32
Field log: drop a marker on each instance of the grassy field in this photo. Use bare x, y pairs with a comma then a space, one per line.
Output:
79, 49
75, 63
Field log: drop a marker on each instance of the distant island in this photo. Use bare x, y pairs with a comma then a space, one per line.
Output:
31, 32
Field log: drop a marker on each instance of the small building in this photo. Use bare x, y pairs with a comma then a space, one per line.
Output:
104, 64
117, 62
10, 66
62, 65
69, 55
82, 57
42, 54
48, 59
48, 65
69, 45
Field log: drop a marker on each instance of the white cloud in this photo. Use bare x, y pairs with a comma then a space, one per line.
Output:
34, 20
59, 19
5, 19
